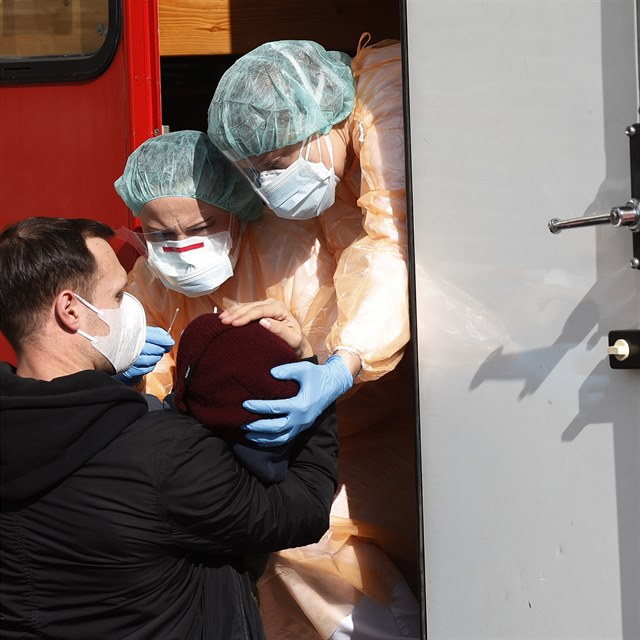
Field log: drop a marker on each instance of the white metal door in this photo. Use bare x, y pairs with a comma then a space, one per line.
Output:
530, 441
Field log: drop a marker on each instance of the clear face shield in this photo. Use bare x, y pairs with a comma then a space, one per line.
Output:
295, 182
193, 256
253, 166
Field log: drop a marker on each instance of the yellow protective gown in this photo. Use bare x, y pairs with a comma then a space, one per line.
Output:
344, 276
275, 259
366, 228
371, 545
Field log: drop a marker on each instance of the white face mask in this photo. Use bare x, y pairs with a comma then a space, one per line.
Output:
127, 332
301, 191
195, 266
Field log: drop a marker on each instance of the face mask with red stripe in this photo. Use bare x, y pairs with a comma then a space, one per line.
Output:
195, 266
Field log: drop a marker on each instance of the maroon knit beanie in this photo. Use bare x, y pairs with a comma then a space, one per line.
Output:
220, 366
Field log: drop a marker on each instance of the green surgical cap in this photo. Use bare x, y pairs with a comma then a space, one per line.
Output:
185, 164
279, 94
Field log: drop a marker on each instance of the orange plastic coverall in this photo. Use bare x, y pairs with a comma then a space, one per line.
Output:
344, 276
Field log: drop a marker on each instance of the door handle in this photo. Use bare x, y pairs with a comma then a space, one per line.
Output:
625, 216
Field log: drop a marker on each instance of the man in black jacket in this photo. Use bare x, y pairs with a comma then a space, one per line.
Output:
118, 522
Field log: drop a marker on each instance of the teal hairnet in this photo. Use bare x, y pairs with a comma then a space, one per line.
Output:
185, 164
279, 94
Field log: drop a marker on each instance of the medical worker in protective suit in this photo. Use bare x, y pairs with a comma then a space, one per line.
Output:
207, 243
319, 136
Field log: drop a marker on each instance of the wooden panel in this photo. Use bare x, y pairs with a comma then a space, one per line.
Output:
214, 27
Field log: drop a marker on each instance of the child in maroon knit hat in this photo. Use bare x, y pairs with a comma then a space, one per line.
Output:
220, 366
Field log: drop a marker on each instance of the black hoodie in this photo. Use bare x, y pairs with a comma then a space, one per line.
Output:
122, 523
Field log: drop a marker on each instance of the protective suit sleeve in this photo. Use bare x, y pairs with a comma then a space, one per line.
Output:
370, 279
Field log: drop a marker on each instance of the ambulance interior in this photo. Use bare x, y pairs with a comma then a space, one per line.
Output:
198, 46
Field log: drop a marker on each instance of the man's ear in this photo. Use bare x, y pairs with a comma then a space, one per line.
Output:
65, 309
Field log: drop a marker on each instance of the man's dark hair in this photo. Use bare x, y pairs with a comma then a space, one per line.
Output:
39, 257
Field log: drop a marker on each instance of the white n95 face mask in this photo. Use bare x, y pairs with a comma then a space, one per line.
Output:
195, 266
301, 191
127, 331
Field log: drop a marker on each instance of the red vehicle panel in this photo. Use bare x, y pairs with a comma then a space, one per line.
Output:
64, 143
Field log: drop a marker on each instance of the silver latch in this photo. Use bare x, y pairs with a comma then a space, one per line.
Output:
625, 216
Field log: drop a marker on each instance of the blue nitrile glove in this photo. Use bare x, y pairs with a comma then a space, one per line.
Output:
156, 344
320, 385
